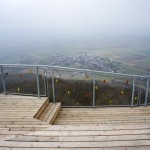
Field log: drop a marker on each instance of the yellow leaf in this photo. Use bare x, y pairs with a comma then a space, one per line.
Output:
56, 81
135, 98
18, 89
122, 92
30, 71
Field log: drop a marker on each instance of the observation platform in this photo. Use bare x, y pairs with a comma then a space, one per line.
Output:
31, 123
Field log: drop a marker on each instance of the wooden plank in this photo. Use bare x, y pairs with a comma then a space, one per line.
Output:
102, 113
92, 124
102, 122
23, 123
106, 114
20, 96
19, 110
107, 108
75, 144
72, 114
50, 109
44, 112
4, 129
40, 138
7, 137
35, 127
13, 132
104, 118
54, 113
27, 129
22, 105
96, 127
110, 112
19, 119
90, 133
24, 126
25, 100
2, 136
110, 148
42, 108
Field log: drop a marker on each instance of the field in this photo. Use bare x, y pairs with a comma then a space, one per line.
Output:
133, 51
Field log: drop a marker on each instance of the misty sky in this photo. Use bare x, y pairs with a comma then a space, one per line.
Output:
74, 17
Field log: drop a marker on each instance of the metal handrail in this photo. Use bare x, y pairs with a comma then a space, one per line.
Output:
74, 69
47, 68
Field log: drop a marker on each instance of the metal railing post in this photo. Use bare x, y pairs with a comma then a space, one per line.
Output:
37, 78
133, 89
47, 87
94, 90
45, 83
146, 94
53, 86
3, 80
139, 93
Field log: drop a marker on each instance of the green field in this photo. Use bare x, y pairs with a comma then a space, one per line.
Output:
133, 51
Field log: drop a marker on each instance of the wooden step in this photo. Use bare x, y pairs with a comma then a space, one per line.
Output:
48, 112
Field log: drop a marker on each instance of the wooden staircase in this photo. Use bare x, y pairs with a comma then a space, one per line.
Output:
48, 112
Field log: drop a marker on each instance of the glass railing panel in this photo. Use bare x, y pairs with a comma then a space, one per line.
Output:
113, 90
20, 80
148, 100
73, 88
1, 84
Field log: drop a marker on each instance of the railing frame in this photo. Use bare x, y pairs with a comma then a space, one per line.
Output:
3, 80
133, 90
37, 78
94, 90
147, 90
53, 68
53, 85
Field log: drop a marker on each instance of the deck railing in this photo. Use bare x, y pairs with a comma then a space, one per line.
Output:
75, 87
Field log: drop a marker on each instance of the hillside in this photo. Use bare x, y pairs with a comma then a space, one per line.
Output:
127, 54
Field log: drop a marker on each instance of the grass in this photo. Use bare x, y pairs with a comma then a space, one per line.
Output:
134, 71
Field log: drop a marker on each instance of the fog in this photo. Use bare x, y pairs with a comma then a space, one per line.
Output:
73, 18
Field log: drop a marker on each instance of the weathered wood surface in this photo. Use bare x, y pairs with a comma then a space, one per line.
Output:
16, 115
123, 115
112, 148
48, 112
74, 129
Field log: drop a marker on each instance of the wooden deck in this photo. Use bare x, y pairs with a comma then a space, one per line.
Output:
16, 115
104, 116
74, 128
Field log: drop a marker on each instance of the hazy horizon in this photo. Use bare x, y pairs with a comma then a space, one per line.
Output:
73, 18
31, 31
